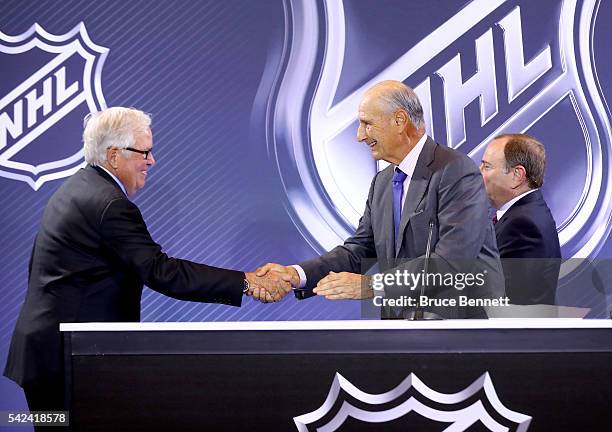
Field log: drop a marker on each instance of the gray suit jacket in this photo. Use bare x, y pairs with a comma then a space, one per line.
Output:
446, 188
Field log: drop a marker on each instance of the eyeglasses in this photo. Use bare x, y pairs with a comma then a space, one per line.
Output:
144, 153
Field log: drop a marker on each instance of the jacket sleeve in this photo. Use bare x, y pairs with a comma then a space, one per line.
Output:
124, 232
348, 256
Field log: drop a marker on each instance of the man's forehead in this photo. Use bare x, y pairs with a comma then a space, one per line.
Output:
369, 106
495, 150
500, 143
144, 138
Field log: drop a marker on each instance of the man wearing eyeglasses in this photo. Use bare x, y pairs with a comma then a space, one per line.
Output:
93, 254
513, 171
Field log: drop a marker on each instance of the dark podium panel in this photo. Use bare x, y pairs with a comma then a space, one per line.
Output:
515, 375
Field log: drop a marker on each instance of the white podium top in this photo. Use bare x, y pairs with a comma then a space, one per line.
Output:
495, 323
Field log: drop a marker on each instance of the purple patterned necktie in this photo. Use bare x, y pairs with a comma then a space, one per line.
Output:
494, 219
398, 190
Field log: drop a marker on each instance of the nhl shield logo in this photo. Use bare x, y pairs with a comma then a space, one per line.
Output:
475, 406
488, 69
52, 83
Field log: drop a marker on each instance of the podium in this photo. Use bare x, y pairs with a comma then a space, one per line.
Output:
473, 375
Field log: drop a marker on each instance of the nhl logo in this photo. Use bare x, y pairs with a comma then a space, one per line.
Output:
520, 77
476, 405
52, 83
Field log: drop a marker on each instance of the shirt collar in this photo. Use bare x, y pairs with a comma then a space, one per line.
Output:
408, 164
114, 178
503, 209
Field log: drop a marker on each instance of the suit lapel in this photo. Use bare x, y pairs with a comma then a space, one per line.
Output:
418, 186
500, 223
387, 211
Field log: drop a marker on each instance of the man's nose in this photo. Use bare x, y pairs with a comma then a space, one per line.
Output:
361, 136
151, 159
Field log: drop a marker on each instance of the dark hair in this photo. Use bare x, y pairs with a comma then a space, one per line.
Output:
525, 150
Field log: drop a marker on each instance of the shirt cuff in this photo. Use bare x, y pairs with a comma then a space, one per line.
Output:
302, 275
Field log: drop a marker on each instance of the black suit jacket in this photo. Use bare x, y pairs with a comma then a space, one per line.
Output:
446, 188
90, 259
529, 247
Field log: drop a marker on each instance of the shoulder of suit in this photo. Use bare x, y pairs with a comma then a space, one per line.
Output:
92, 189
533, 211
452, 162
519, 218
103, 185
530, 204
444, 155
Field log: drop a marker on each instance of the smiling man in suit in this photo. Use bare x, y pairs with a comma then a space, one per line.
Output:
513, 170
93, 253
426, 185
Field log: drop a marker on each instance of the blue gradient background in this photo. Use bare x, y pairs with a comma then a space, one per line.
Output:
215, 195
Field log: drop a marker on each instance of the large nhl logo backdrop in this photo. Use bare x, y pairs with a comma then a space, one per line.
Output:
508, 66
63, 82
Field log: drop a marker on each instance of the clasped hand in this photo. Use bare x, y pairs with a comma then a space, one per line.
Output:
270, 287
334, 286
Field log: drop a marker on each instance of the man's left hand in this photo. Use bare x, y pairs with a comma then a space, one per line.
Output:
344, 285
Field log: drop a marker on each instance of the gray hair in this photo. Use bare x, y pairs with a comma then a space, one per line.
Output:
113, 127
397, 95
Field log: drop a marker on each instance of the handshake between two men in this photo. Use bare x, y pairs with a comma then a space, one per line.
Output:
272, 282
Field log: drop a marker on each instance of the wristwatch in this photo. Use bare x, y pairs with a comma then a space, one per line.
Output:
247, 287
370, 282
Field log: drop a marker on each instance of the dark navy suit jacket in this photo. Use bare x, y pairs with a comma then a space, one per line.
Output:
90, 259
529, 247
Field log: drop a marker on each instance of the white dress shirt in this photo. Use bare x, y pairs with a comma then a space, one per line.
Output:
408, 165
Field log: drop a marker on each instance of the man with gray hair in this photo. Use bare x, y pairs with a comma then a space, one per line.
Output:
428, 188
513, 170
93, 253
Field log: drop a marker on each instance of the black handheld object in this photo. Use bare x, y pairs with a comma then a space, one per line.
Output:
302, 293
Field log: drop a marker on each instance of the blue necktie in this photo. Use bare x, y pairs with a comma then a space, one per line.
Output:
398, 190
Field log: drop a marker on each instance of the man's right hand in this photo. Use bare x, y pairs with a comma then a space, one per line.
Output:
267, 288
287, 273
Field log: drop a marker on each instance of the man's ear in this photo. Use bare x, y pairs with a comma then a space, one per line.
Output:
111, 155
519, 175
401, 118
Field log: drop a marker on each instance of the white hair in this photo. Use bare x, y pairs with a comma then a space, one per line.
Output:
113, 127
